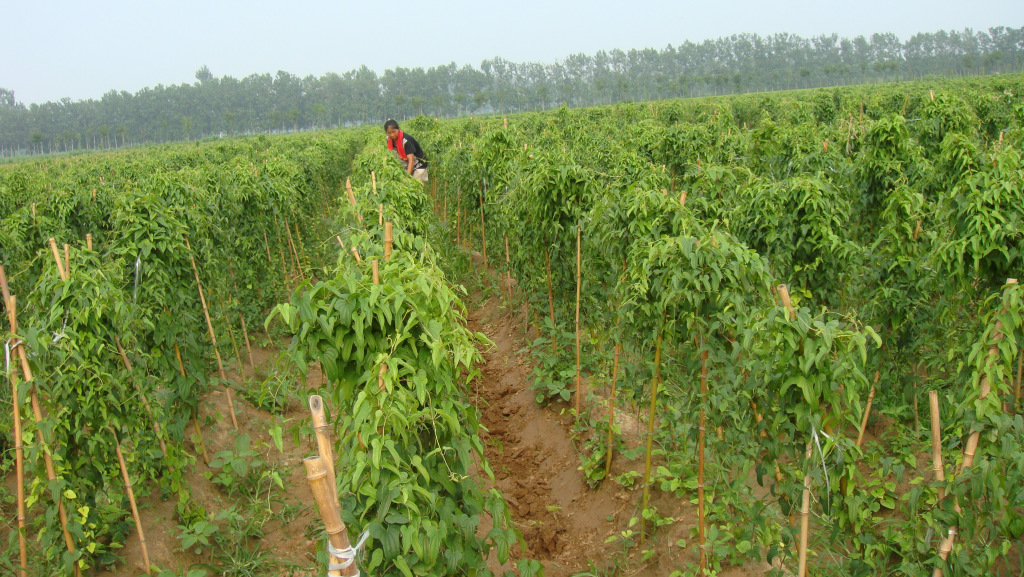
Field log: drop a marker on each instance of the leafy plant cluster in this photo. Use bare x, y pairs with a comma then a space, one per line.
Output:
119, 350
890, 213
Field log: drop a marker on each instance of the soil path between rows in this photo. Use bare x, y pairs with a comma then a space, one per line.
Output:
532, 450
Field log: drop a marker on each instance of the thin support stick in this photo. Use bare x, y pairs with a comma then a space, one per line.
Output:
937, 468
131, 501
145, 400
650, 433
611, 412
19, 455
213, 337
37, 412
248, 345
579, 280
201, 445
867, 411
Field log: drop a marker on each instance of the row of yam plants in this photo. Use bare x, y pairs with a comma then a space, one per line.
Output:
811, 296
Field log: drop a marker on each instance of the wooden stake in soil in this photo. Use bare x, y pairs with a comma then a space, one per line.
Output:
234, 347
1016, 395
972, 441
579, 278
56, 257
867, 411
650, 432
508, 270
213, 337
37, 412
700, 461
248, 346
323, 441
291, 247
88, 241
201, 445
805, 510
551, 304
376, 271
389, 241
937, 468
483, 232
611, 412
131, 501
352, 201
337, 534
19, 455
145, 401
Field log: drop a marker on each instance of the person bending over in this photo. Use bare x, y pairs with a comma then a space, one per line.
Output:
407, 150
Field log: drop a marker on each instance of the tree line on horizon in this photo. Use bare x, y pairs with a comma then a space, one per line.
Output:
265, 103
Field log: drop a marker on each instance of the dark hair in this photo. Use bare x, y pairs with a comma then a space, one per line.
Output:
391, 124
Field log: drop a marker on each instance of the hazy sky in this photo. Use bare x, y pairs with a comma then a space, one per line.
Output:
80, 49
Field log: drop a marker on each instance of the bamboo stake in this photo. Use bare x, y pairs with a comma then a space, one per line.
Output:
867, 411
248, 346
266, 245
380, 215
145, 400
579, 282
389, 241
337, 534
291, 247
213, 337
508, 269
19, 454
322, 432
88, 241
131, 501
650, 432
234, 347
1020, 371
195, 417
700, 462
972, 441
56, 257
51, 473
937, 468
355, 253
376, 271
483, 232
682, 198
805, 510
373, 181
611, 412
67, 258
786, 302
352, 201
299, 246
551, 304
284, 264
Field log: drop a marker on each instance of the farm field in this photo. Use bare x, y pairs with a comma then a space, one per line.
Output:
764, 334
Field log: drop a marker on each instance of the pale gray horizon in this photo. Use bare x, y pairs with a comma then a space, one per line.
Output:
82, 50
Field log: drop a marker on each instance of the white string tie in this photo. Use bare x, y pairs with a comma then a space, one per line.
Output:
347, 555
60, 334
138, 265
7, 356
